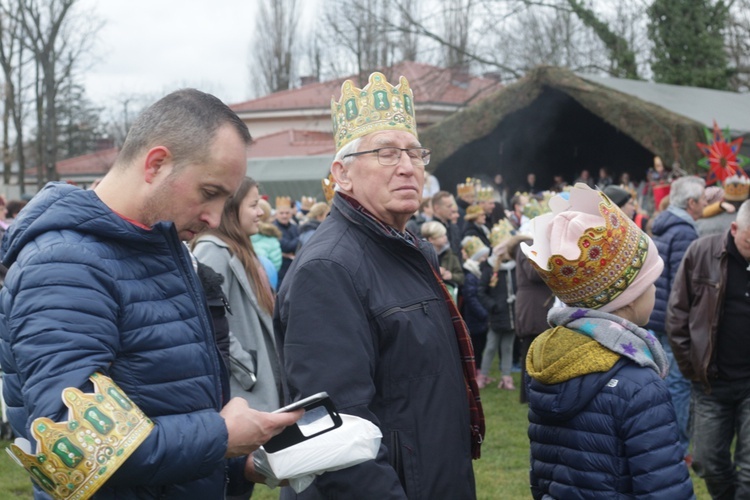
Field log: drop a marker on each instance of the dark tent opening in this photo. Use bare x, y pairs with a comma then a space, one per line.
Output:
554, 135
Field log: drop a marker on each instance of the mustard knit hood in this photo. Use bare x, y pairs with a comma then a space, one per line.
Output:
560, 354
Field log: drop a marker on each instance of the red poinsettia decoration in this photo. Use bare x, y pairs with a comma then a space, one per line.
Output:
722, 158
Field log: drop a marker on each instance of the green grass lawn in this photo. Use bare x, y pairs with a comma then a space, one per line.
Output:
501, 473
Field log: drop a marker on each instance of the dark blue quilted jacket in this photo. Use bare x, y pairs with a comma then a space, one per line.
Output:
672, 236
606, 435
88, 291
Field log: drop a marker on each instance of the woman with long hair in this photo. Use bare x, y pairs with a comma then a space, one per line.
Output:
254, 366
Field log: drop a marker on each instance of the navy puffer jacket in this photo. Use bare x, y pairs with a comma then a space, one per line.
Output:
88, 291
606, 435
672, 236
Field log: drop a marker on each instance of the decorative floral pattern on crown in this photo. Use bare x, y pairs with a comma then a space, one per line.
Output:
611, 256
76, 457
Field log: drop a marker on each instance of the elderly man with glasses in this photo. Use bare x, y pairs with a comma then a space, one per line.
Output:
364, 316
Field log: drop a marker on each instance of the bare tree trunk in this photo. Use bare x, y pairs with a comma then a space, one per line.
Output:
18, 123
274, 48
42, 22
40, 136
50, 123
9, 99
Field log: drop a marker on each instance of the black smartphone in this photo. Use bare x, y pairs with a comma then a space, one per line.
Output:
303, 403
320, 417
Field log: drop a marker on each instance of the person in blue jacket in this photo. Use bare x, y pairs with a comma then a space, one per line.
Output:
601, 421
100, 281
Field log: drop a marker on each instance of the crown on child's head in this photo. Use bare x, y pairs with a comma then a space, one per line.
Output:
501, 231
473, 245
378, 106
590, 253
75, 458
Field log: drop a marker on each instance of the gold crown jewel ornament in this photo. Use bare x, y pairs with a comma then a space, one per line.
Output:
736, 188
501, 231
485, 193
329, 188
468, 188
75, 458
307, 201
283, 202
378, 106
590, 266
472, 245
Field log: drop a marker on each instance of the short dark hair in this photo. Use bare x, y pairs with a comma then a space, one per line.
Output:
186, 122
437, 198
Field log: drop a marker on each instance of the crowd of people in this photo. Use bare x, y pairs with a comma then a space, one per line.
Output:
211, 305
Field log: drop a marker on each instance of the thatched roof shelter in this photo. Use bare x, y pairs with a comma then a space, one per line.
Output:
554, 121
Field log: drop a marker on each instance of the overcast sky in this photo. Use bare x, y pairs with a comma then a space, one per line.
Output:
155, 46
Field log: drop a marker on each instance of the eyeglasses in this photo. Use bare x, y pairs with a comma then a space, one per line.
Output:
389, 157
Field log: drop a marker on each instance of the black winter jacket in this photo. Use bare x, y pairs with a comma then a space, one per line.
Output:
496, 299
361, 315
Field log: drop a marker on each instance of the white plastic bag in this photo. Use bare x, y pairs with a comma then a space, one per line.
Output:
356, 441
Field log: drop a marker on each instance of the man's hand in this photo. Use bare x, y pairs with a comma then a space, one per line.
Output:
248, 428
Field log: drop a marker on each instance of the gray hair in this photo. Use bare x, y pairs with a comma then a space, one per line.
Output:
349, 148
185, 122
685, 189
743, 215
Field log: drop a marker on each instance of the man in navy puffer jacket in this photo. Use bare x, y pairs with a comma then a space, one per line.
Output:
673, 232
100, 281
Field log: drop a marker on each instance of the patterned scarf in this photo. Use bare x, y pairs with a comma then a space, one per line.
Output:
615, 333
465, 349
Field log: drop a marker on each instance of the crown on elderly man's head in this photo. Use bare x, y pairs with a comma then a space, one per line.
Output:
75, 458
378, 106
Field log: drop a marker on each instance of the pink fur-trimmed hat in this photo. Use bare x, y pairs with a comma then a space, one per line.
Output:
590, 253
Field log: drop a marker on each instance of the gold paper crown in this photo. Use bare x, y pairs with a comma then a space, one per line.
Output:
736, 188
501, 231
75, 458
307, 201
536, 207
377, 106
472, 245
329, 187
469, 187
283, 202
485, 193
610, 258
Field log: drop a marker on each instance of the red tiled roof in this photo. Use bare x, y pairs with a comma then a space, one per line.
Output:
97, 163
92, 163
431, 84
292, 143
